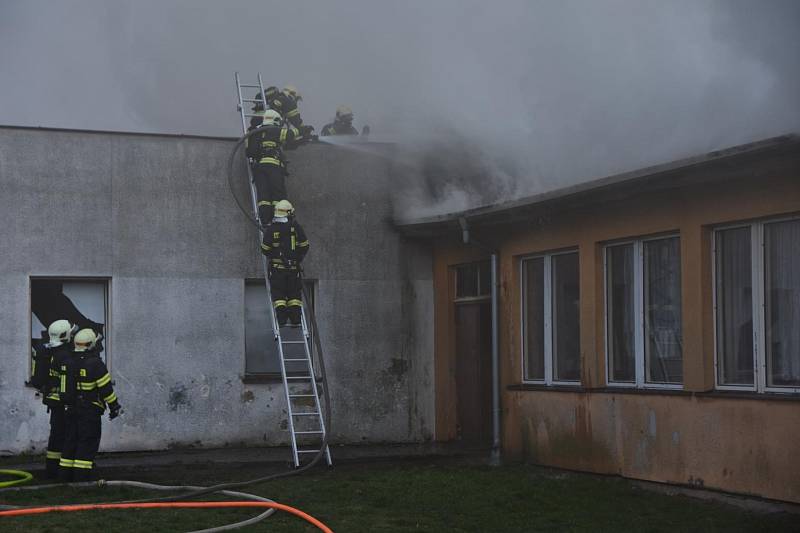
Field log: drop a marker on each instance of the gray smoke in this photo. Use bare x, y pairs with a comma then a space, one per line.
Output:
492, 100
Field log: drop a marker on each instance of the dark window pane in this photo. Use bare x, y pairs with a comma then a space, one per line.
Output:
533, 303
620, 312
467, 280
566, 319
261, 353
734, 307
485, 270
662, 311
782, 305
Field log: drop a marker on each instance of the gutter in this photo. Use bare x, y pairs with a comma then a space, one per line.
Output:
494, 457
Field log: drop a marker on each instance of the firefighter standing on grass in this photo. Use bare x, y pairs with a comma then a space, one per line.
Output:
86, 391
285, 245
48, 359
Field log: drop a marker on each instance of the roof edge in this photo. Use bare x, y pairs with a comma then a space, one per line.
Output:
114, 132
614, 179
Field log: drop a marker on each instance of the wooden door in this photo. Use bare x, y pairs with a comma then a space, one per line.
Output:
474, 373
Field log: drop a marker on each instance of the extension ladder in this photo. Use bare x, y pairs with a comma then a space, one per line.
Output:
304, 410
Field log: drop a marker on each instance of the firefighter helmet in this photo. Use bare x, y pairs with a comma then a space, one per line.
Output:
283, 208
291, 90
85, 339
59, 331
271, 118
344, 113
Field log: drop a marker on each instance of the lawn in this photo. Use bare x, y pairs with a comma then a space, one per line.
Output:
420, 495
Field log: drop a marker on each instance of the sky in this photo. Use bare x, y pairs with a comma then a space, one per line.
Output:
494, 100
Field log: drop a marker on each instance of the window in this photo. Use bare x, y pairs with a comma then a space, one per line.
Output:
643, 313
757, 306
550, 318
261, 351
84, 302
473, 280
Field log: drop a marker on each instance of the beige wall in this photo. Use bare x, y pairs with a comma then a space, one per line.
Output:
742, 444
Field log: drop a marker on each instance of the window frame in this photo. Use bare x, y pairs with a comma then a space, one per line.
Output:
276, 377
758, 280
107, 341
640, 381
547, 295
481, 297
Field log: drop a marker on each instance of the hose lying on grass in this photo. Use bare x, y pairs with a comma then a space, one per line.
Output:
167, 505
22, 477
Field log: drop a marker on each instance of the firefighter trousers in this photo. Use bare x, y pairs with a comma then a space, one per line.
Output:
270, 183
287, 294
81, 442
55, 443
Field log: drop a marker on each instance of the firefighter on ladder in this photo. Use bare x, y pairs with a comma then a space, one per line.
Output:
266, 148
48, 359
285, 103
285, 244
86, 391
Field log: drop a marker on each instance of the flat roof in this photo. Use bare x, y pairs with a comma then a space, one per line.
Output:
634, 181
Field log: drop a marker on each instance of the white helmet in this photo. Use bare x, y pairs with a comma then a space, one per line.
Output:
283, 208
85, 339
60, 332
271, 118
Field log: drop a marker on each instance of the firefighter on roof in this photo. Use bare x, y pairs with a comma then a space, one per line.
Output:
342, 124
285, 103
285, 245
47, 361
86, 391
269, 163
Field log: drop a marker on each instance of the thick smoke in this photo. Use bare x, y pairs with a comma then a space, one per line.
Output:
492, 100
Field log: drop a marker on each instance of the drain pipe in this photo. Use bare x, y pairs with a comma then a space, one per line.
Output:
494, 458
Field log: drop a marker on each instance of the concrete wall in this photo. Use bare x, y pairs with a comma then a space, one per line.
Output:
743, 442
154, 215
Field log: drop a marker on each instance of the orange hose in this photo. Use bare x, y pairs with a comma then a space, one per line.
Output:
165, 505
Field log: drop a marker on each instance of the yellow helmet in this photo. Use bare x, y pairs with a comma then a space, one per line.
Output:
85, 339
291, 90
283, 208
60, 332
344, 113
271, 118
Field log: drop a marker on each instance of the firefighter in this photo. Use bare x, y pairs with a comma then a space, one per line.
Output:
285, 245
47, 361
269, 166
342, 124
86, 392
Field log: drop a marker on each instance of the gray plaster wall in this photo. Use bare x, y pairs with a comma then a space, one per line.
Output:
155, 216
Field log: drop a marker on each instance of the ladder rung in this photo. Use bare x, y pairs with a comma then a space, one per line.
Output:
307, 432
294, 360
313, 413
298, 377
292, 342
250, 86
301, 396
252, 100
253, 115
307, 451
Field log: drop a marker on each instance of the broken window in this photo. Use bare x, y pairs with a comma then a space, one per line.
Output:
84, 302
473, 280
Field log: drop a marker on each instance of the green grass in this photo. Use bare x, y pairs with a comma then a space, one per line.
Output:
429, 496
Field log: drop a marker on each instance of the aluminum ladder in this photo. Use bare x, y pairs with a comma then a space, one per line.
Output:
304, 409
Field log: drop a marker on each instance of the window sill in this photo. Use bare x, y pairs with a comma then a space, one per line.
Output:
750, 395
542, 387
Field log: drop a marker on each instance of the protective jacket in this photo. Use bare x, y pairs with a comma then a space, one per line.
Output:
266, 147
285, 244
339, 128
284, 104
86, 382
47, 371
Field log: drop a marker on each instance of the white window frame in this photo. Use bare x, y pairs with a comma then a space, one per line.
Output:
547, 295
758, 280
638, 313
